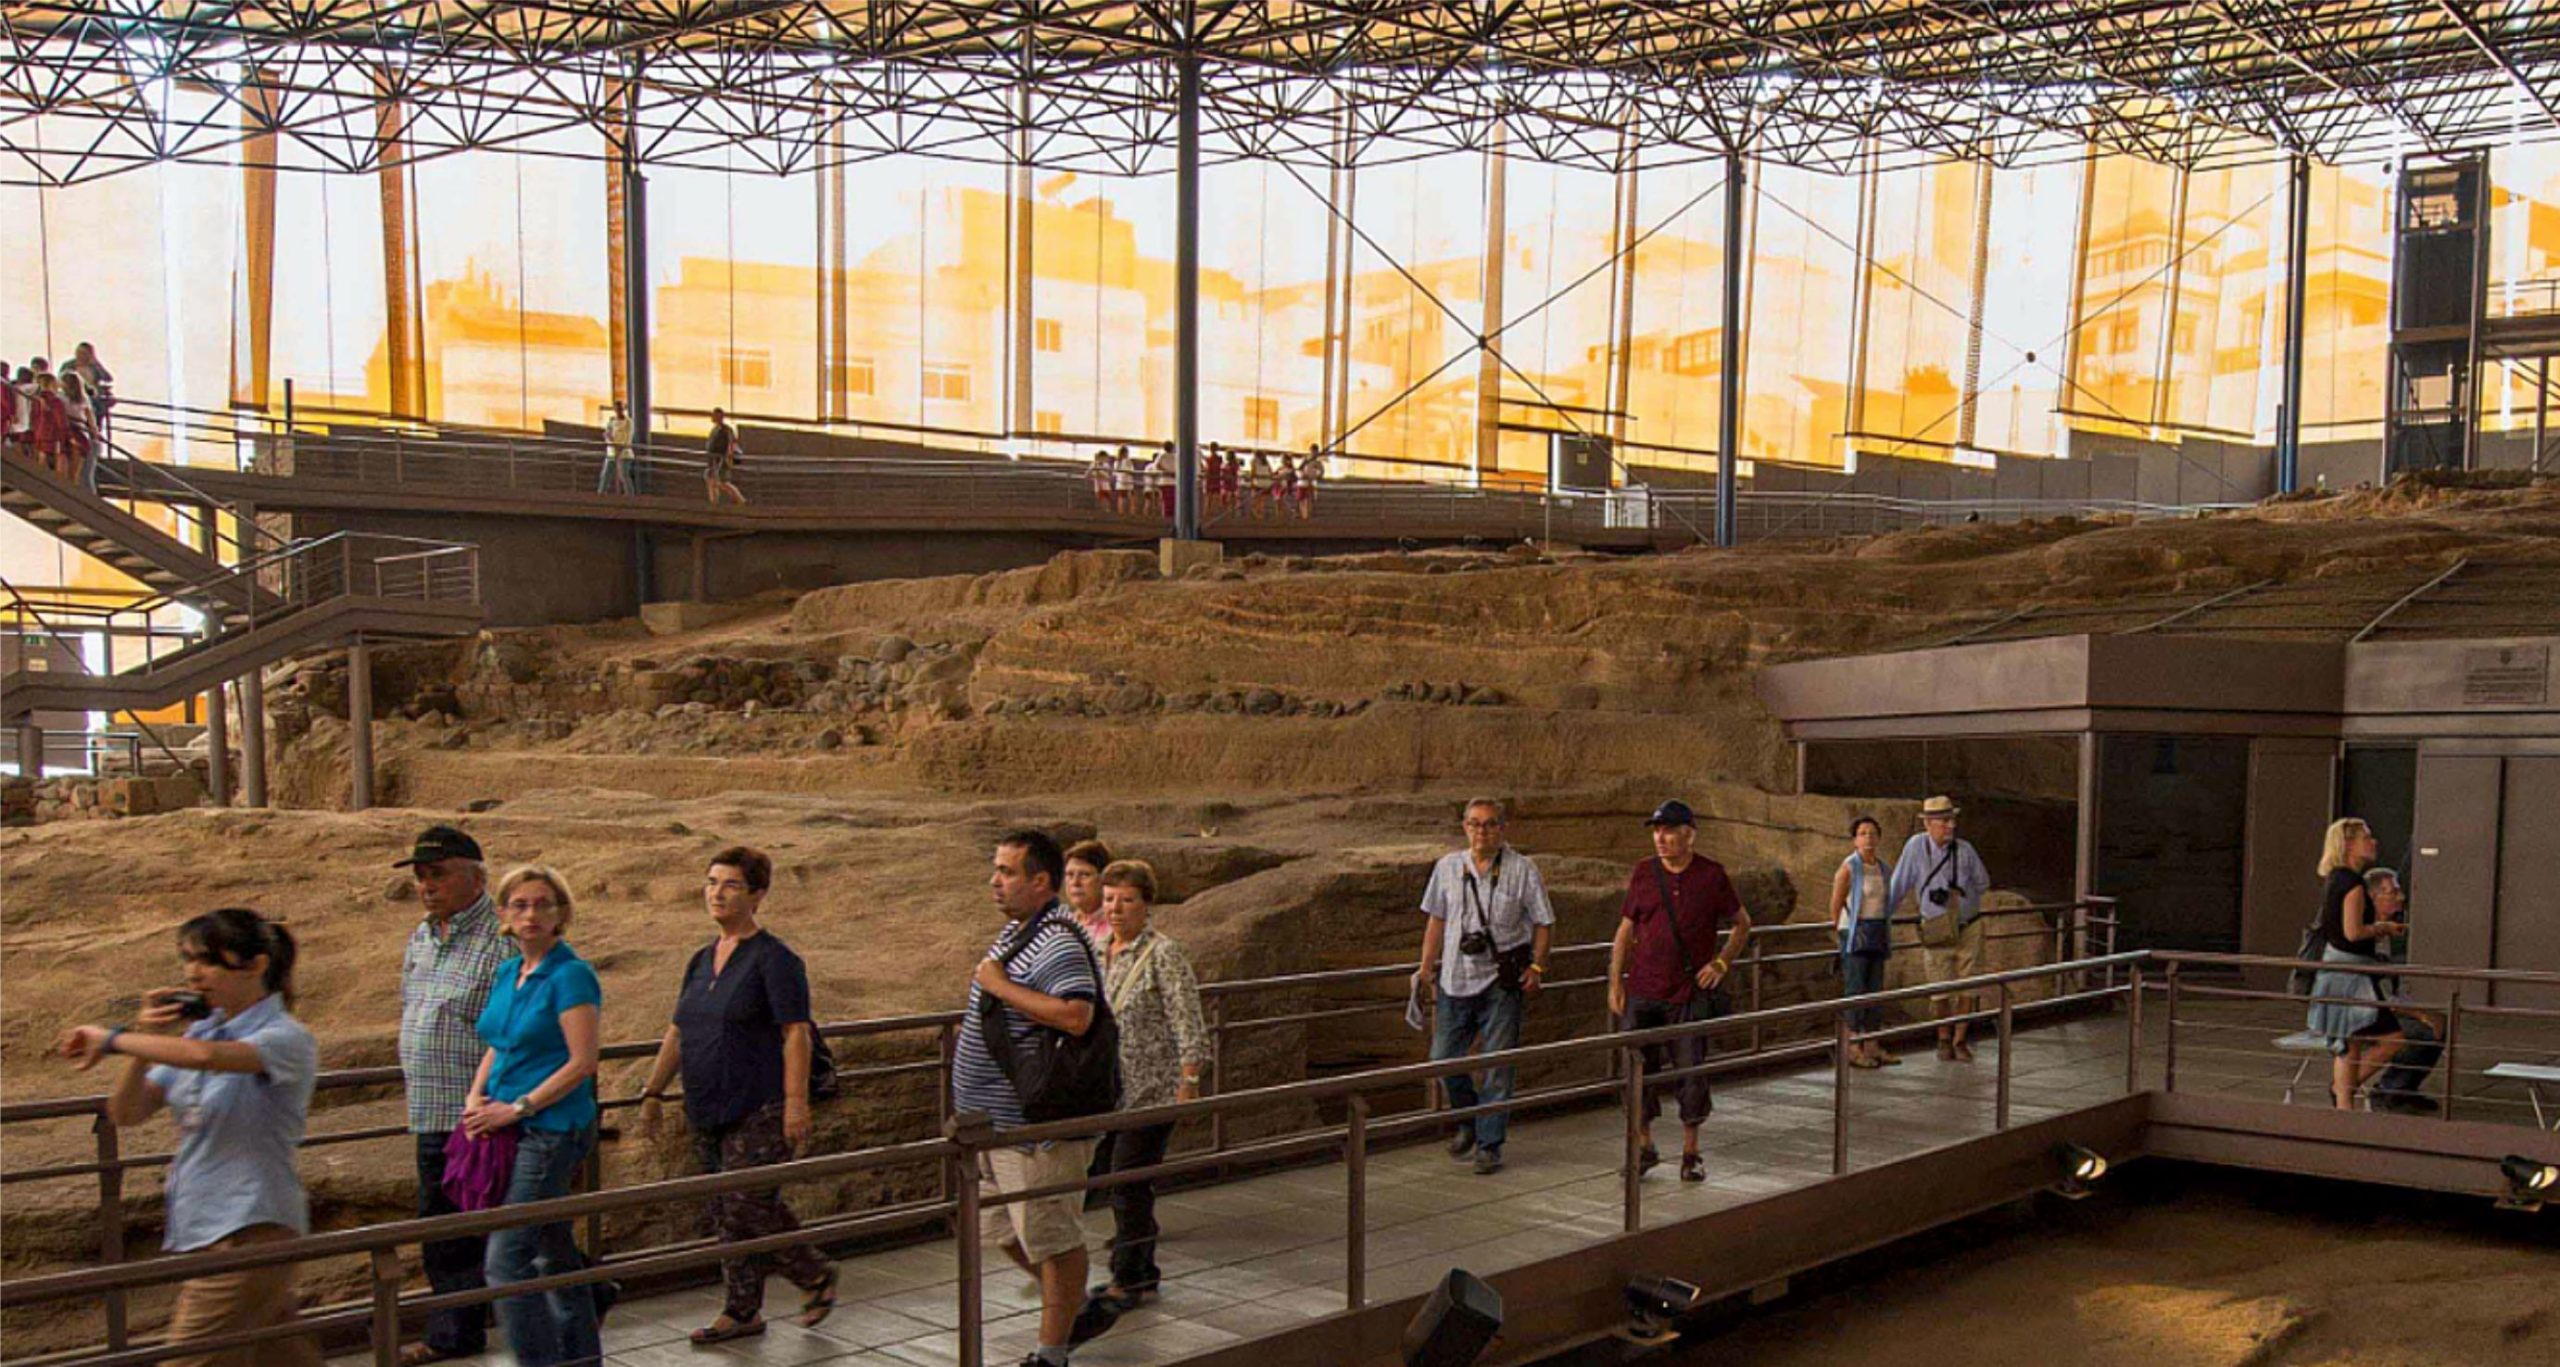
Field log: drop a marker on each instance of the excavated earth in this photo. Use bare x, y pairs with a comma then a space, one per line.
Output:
1287, 739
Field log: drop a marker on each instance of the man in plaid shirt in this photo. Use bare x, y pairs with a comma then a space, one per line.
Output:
445, 976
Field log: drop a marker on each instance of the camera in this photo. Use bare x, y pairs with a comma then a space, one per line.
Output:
191, 1005
1476, 943
1938, 896
1657, 1304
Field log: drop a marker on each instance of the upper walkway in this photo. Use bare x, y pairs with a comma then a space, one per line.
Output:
1314, 1214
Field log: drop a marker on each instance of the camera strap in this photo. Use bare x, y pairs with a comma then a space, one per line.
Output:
1482, 904
1930, 883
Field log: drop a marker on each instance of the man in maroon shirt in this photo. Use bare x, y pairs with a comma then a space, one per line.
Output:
1665, 968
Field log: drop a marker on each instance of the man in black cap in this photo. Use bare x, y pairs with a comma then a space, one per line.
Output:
1665, 969
445, 976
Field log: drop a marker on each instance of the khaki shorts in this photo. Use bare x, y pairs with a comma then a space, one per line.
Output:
1043, 1227
1947, 953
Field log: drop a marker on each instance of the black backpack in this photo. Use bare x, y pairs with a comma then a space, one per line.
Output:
1066, 1076
2313, 949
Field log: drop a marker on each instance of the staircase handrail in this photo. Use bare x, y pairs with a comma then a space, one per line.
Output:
27, 609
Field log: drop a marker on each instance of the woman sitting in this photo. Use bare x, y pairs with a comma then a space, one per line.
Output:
2347, 1007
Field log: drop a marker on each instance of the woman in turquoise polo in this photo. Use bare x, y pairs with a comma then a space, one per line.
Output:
538, 1075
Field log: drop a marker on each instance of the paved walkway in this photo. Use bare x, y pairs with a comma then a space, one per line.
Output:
1258, 1255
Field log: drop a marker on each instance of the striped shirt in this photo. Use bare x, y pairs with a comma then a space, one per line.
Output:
444, 983
1059, 963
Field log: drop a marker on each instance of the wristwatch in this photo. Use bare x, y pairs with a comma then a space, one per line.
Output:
524, 1105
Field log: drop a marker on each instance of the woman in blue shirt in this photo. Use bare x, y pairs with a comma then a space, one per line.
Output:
538, 1075
239, 1083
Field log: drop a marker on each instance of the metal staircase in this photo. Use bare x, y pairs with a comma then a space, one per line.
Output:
93, 523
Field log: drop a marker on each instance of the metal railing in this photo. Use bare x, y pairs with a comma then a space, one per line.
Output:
960, 1199
1043, 480
2243, 1035
1228, 1007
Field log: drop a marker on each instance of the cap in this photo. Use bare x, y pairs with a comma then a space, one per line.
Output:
1940, 806
1672, 813
441, 842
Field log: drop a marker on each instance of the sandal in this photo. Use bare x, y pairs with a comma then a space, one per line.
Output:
1866, 1061
1693, 1167
820, 1303
737, 1329
1647, 1159
420, 1354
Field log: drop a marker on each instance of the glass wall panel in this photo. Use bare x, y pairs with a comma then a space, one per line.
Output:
2524, 274
1412, 362
2026, 307
2124, 291
733, 319
2346, 316
1262, 294
1676, 332
2229, 302
328, 336
1920, 291
1556, 239
1802, 292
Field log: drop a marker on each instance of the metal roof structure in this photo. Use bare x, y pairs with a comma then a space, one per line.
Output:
92, 87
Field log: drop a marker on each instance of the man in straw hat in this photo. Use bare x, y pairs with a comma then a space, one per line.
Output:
1946, 875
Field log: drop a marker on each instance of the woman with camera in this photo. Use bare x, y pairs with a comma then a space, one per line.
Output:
537, 1078
238, 1080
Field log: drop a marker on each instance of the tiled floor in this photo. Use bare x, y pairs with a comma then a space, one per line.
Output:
1257, 1255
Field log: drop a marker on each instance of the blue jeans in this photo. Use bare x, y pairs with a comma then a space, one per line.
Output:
1861, 974
547, 1328
1492, 1015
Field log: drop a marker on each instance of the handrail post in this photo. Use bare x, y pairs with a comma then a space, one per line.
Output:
1840, 1094
1217, 1079
1355, 1247
111, 1220
591, 1180
1756, 942
946, 1039
385, 1330
973, 1330
1631, 1095
2000, 1092
2169, 1050
2452, 1034
2133, 1032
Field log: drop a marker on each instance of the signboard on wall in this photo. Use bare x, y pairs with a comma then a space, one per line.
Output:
2506, 676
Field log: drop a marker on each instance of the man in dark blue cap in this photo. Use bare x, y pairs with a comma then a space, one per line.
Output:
445, 976
1665, 968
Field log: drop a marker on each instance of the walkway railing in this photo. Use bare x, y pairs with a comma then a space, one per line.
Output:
1046, 485
1813, 1031
1233, 1010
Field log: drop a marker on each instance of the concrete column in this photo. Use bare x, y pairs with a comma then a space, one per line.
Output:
1186, 302
30, 748
2297, 200
217, 743
1729, 417
360, 724
253, 740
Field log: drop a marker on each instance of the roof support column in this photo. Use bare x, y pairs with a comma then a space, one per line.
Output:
635, 263
1186, 301
1729, 410
2297, 276
359, 725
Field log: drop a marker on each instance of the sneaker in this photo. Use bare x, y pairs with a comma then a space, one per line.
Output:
1488, 1162
2406, 1103
1647, 1159
1693, 1167
1093, 1320
1462, 1143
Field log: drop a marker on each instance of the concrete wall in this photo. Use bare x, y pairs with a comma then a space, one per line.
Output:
533, 571
742, 566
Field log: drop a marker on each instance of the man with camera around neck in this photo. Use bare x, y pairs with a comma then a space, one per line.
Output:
1947, 875
1484, 953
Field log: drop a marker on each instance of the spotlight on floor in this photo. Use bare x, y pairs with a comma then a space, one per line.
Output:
2530, 1182
2081, 1168
1456, 1325
1658, 1303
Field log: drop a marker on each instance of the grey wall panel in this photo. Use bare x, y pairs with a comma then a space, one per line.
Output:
2527, 931
2289, 805
2453, 875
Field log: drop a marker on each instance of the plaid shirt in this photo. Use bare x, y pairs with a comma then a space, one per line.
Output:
443, 984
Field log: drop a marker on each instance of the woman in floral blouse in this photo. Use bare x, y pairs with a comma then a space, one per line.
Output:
1163, 1045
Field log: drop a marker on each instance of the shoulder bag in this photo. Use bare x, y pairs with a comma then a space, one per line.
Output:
1064, 1076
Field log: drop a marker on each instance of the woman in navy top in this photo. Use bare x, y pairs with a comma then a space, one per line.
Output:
743, 1038
538, 1075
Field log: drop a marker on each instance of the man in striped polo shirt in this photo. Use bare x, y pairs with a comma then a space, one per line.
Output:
1048, 983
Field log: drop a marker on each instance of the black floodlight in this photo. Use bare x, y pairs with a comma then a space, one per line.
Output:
1658, 1303
2530, 1182
2081, 1167
1456, 1325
